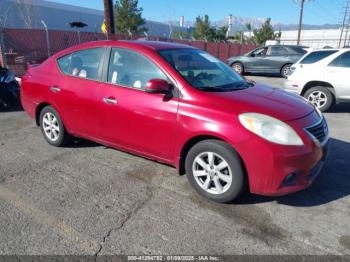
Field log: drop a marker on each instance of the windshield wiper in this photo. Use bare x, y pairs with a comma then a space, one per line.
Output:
227, 88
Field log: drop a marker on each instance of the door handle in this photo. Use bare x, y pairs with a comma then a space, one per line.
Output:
110, 100
55, 89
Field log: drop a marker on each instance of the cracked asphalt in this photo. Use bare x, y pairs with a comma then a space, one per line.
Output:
89, 199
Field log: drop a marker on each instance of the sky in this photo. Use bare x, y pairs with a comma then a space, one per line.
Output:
282, 11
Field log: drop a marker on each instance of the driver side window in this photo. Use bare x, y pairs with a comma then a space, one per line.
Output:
131, 69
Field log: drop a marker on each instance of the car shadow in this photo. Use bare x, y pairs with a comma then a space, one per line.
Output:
332, 184
82, 143
274, 75
16, 108
343, 107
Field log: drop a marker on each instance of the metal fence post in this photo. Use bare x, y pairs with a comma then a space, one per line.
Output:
2, 48
47, 38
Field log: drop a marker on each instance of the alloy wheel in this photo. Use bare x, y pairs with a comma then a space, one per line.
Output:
212, 173
285, 71
51, 127
237, 68
317, 98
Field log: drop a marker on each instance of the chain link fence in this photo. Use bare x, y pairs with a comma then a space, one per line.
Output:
22, 47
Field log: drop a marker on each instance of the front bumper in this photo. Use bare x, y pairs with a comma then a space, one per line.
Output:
292, 86
278, 170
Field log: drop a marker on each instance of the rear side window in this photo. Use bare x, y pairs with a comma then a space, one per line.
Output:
296, 50
64, 63
316, 56
278, 50
342, 61
83, 64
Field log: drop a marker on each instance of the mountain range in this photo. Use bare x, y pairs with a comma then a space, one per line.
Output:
239, 24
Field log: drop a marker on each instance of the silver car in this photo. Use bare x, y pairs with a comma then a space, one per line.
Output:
274, 59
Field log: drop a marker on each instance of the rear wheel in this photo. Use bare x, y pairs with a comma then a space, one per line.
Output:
285, 70
238, 68
215, 171
320, 97
52, 127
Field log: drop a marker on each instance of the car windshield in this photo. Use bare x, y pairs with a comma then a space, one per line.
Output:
204, 71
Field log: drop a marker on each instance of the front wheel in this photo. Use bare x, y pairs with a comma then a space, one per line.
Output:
320, 97
52, 127
215, 170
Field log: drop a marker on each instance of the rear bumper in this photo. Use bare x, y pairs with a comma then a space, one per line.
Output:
29, 106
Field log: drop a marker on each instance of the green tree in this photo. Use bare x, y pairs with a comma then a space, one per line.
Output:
203, 30
220, 33
128, 17
248, 26
265, 33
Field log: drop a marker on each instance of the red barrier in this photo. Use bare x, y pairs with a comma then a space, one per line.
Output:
29, 46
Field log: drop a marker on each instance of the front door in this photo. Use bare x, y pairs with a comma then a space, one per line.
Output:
256, 61
130, 117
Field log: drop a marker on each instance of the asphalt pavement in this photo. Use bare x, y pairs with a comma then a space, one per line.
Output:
89, 199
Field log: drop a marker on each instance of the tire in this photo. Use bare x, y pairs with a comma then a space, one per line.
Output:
238, 68
205, 180
320, 97
285, 69
52, 127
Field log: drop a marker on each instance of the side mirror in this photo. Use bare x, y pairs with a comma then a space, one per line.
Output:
159, 86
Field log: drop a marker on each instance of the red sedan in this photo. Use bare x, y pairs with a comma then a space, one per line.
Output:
180, 106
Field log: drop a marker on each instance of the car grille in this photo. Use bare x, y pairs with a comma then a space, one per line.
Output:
319, 131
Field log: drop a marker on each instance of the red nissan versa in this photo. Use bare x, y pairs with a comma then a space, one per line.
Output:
181, 106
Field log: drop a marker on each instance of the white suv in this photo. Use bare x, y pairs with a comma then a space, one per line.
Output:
322, 77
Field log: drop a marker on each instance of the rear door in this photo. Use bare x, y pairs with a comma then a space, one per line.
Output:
76, 91
337, 73
276, 57
130, 117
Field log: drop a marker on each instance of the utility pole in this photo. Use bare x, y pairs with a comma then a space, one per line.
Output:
300, 20
344, 25
109, 16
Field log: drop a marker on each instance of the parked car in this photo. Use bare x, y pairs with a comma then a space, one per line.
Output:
322, 77
274, 59
181, 106
9, 88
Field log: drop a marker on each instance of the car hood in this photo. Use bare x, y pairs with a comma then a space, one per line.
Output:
262, 99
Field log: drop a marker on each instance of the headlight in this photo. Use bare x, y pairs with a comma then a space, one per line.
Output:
270, 129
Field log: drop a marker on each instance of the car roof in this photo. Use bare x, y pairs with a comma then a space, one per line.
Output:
133, 44
287, 46
154, 45
330, 49
157, 45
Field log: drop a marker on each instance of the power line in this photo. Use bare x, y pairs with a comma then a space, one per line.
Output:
345, 23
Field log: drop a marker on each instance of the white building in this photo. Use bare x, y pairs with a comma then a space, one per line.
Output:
314, 38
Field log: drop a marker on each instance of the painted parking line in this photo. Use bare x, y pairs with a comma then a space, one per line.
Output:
84, 243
